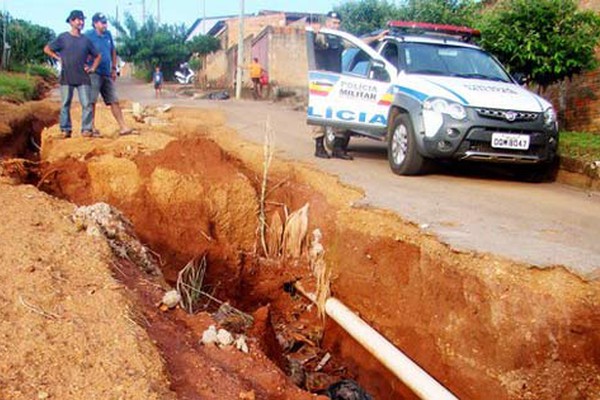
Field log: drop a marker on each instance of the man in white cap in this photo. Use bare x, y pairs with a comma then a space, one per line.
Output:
103, 79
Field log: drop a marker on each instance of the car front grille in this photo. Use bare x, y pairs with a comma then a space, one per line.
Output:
507, 115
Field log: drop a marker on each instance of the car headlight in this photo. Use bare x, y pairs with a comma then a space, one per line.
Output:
442, 106
549, 117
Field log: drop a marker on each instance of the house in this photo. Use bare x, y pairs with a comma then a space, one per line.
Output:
276, 38
577, 100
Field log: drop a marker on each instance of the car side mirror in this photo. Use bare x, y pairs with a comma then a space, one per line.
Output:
520, 78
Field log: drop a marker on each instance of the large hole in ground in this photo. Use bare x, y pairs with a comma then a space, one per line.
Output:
484, 327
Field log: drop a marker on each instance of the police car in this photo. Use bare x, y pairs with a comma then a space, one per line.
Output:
430, 93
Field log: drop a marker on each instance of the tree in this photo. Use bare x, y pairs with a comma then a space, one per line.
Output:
547, 40
203, 44
364, 16
26, 40
453, 12
152, 44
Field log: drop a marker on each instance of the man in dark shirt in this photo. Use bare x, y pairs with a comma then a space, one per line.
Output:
103, 80
73, 49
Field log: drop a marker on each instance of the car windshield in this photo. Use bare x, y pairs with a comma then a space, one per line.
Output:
462, 62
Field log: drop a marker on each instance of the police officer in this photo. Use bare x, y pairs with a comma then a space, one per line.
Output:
328, 56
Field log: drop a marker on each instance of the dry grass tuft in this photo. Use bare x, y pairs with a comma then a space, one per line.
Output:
189, 283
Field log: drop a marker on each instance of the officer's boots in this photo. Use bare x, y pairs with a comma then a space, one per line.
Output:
339, 151
320, 148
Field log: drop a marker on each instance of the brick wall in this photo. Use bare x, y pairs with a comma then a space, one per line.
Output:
578, 100
252, 26
287, 56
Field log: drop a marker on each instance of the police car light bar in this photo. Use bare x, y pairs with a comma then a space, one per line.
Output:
425, 27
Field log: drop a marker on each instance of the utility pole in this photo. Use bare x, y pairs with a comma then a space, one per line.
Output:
143, 12
158, 11
240, 57
204, 17
5, 46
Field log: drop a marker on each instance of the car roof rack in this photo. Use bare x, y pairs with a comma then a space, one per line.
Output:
462, 33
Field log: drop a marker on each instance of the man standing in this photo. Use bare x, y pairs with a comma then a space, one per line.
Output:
255, 72
72, 49
103, 79
328, 56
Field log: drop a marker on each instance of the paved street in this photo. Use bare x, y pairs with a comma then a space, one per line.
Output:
541, 224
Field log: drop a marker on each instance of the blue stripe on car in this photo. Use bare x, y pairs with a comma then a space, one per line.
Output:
458, 96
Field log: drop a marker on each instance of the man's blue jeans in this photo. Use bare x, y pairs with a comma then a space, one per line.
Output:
66, 94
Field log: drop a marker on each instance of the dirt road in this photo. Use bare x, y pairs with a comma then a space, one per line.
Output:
540, 224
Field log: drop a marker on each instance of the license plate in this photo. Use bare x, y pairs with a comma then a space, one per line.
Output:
510, 141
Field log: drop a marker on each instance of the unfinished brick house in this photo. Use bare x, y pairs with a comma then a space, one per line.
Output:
276, 38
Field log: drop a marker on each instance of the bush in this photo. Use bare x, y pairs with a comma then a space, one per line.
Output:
580, 145
17, 87
44, 72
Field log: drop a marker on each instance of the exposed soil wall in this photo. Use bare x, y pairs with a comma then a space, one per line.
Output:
483, 326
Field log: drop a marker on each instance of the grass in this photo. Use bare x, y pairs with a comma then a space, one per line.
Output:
42, 71
17, 87
583, 146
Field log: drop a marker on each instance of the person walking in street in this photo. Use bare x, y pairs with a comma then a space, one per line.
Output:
255, 72
72, 49
103, 78
157, 78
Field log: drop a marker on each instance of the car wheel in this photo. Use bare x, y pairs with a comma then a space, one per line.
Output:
330, 137
403, 155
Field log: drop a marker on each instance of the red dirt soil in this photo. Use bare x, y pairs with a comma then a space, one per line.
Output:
483, 326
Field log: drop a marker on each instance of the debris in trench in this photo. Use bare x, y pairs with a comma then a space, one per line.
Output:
294, 232
247, 395
105, 221
320, 271
347, 389
233, 319
171, 299
223, 338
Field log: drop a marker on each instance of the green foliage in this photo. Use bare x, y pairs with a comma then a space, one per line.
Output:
17, 87
195, 63
453, 12
27, 40
203, 44
364, 16
44, 72
547, 40
151, 44
581, 145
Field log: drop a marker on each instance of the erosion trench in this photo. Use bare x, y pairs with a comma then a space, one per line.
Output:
483, 326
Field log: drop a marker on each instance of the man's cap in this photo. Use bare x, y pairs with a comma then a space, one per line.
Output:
75, 14
98, 17
334, 15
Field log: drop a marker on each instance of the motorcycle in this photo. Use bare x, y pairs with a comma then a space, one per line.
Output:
185, 75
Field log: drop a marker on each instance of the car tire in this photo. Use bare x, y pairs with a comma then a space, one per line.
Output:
330, 137
403, 155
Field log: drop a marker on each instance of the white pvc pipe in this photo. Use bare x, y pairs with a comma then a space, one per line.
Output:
405, 369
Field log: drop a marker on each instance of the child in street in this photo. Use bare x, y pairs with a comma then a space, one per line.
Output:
157, 78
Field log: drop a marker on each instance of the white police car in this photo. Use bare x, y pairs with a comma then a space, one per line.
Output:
431, 95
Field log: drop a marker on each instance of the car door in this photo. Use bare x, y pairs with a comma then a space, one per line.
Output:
348, 82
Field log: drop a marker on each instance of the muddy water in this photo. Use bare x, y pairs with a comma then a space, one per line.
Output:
483, 326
